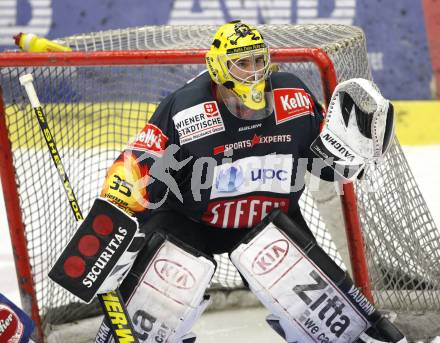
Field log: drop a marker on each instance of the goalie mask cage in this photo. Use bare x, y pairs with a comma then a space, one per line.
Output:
99, 96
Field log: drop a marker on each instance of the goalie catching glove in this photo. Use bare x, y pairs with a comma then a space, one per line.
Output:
100, 254
358, 128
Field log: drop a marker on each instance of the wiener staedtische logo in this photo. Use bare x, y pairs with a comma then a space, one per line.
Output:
199, 121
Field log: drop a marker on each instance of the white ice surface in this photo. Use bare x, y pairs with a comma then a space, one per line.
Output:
244, 325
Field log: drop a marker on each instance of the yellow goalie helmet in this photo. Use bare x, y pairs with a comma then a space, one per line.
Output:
239, 60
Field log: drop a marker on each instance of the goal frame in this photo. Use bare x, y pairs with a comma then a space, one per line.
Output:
317, 56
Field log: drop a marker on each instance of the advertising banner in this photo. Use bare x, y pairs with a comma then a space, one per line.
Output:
397, 40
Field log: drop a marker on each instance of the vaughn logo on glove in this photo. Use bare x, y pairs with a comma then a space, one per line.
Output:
93, 251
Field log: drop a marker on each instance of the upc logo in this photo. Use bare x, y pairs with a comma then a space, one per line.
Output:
268, 174
248, 175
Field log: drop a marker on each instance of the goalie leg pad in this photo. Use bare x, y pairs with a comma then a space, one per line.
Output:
285, 270
165, 290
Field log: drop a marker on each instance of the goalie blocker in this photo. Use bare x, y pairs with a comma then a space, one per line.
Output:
311, 299
100, 253
164, 291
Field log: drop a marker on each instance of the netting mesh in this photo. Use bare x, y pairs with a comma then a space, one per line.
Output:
402, 239
94, 111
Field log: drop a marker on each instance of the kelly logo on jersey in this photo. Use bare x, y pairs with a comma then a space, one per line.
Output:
291, 103
150, 139
199, 121
271, 173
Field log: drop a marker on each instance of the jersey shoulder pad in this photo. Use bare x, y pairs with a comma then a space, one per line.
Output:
286, 80
195, 92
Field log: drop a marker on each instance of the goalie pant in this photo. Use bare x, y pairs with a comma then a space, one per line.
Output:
164, 292
310, 297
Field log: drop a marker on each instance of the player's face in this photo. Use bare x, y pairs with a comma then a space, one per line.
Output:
247, 69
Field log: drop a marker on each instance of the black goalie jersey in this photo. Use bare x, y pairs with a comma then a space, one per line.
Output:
196, 158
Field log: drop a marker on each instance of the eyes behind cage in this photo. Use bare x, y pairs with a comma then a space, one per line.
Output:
243, 64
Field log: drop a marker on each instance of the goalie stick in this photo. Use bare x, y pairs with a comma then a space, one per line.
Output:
121, 333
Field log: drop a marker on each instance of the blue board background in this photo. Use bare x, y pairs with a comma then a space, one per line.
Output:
395, 30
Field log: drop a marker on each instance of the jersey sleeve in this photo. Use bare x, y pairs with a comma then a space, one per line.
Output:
129, 183
316, 165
